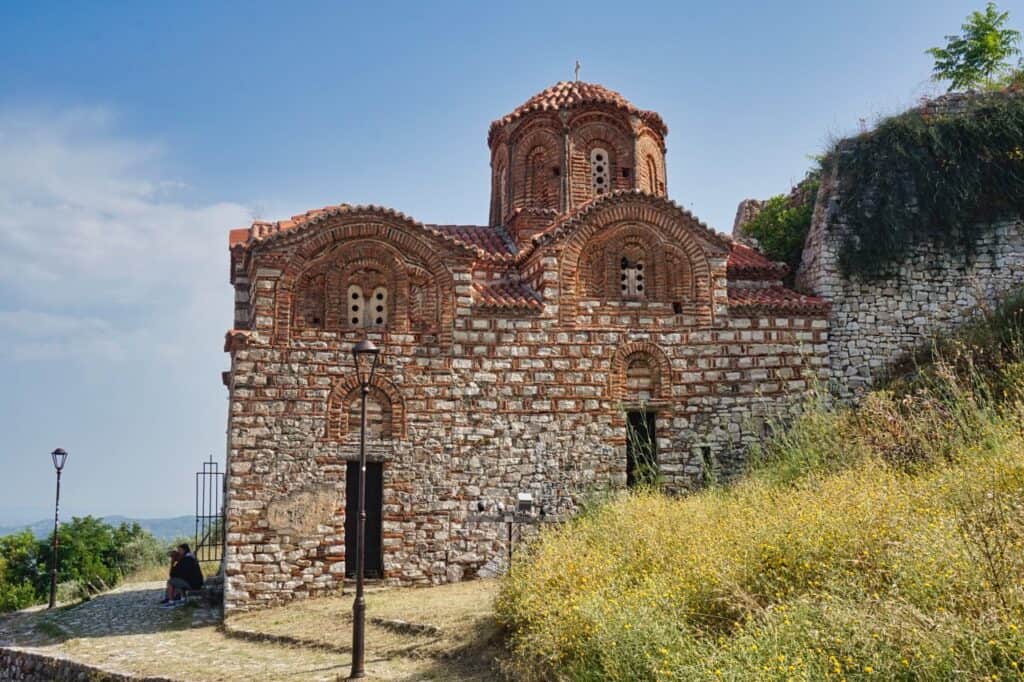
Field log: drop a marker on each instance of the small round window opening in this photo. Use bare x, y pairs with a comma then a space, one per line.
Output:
600, 170
367, 311
378, 316
631, 278
356, 305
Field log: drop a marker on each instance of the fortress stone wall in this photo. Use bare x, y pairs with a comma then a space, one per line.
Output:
877, 322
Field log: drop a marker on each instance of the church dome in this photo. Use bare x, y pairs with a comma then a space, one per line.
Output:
567, 145
569, 94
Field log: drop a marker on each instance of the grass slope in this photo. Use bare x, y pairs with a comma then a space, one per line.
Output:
885, 542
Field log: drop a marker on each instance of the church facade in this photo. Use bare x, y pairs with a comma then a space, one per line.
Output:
592, 334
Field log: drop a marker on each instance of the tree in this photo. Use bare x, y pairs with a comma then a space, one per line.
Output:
20, 571
93, 554
783, 222
979, 54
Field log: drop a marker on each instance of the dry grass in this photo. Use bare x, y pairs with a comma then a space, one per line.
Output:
890, 550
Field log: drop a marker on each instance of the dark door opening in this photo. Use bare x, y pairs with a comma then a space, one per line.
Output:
373, 566
641, 448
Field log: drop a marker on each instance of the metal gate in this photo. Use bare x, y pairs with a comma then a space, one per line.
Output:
209, 538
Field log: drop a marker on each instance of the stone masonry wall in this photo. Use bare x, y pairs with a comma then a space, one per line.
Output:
507, 401
19, 665
877, 322
517, 406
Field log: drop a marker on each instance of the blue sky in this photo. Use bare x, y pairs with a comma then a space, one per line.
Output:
134, 135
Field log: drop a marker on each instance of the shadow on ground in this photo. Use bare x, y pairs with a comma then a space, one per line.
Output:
130, 610
126, 631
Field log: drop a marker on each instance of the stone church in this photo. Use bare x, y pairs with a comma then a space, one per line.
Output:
520, 356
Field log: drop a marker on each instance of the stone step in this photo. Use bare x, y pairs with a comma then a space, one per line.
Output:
370, 586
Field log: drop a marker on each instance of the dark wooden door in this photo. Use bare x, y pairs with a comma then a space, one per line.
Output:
374, 559
641, 450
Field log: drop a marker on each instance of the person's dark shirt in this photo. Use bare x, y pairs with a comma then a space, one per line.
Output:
188, 570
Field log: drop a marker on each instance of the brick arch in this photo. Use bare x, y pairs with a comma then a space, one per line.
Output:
311, 300
670, 233
523, 170
374, 254
650, 166
634, 350
499, 184
390, 234
593, 130
669, 274
337, 427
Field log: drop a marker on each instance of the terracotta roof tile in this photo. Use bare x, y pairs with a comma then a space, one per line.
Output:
568, 94
492, 240
506, 295
748, 263
486, 242
239, 235
774, 299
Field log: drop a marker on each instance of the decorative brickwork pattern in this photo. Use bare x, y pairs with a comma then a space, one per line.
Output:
510, 354
385, 410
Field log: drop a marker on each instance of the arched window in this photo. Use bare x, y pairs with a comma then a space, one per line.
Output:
600, 171
652, 175
502, 192
378, 414
640, 383
631, 276
537, 182
385, 411
310, 310
356, 306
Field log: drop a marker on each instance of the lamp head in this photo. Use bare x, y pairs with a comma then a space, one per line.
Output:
366, 355
59, 456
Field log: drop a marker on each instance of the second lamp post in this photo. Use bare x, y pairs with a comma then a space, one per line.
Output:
59, 457
366, 357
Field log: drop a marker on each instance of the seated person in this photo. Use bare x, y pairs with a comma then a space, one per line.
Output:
185, 575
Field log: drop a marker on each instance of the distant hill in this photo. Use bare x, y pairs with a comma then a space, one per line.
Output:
164, 529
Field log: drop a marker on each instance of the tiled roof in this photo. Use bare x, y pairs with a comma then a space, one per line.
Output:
486, 242
505, 295
493, 240
568, 94
774, 299
748, 263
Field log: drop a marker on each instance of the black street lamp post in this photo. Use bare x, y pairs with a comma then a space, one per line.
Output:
59, 457
366, 357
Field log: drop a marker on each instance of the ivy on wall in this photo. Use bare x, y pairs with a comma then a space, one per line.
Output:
938, 178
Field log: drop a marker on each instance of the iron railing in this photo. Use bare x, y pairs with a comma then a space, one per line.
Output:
209, 536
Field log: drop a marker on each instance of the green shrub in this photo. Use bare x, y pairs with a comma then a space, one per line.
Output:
94, 556
782, 224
